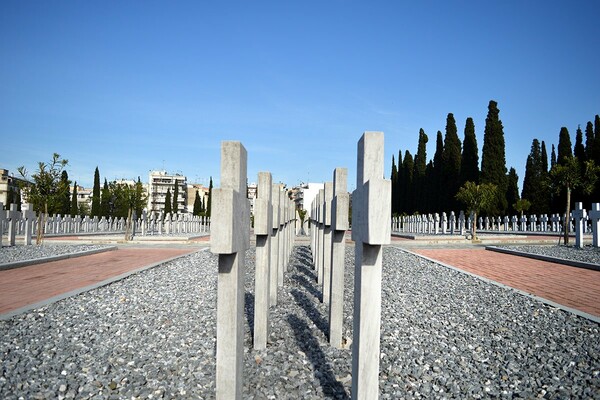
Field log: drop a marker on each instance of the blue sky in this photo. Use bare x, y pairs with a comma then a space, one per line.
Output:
135, 86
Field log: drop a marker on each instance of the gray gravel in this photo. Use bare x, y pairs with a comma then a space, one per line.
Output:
21, 253
444, 335
586, 254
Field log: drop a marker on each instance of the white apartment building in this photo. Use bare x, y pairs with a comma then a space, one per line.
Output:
159, 182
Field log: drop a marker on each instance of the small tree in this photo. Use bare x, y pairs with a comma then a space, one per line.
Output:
209, 201
96, 194
197, 204
521, 206
176, 198
168, 208
568, 175
476, 198
74, 207
46, 192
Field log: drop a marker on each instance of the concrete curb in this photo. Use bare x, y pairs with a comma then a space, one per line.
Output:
572, 263
25, 263
77, 291
530, 295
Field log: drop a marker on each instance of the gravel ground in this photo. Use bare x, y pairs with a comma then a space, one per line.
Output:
20, 253
586, 254
444, 335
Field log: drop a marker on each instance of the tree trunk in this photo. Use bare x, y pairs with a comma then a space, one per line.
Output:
39, 237
567, 222
474, 227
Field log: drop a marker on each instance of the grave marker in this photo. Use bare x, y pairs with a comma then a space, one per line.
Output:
595, 218
579, 215
229, 239
371, 213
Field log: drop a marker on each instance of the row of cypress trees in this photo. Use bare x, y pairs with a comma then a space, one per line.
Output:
427, 187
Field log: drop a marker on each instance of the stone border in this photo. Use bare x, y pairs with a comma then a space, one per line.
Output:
35, 261
551, 303
572, 263
74, 292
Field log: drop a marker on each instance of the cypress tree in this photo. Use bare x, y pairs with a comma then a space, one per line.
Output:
544, 158
564, 146
512, 190
394, 179
437, 203
534, 187
74, 206
451, 158
106, 208
429, 189
209, 201
553, 158
64, 206
399, 183
168, 208
579, 149
96, 194
418, 191
545, 182
197, 204
176, 198
469, 163
589, 141
140, 199
408, 167
493, 158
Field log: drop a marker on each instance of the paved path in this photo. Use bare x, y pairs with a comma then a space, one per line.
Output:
24, 286
570, 286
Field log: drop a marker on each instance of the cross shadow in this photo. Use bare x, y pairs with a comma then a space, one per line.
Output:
306, 271
322, 371
311, 311
249, 310
308, 285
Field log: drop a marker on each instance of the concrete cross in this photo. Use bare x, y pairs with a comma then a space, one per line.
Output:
263, 226
339, 225
2, 219
13, 216
533, 223
523, 221
327, 241
230, 237
29, 218
595, 218
274, 282
371, 210
579, 215
544, 223
452, 222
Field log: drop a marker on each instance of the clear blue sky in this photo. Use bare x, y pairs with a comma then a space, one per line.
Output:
134, 86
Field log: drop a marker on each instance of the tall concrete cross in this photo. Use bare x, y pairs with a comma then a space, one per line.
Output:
29, 218
328, 191
371, 213
13, 216
579, 215
273, 271
339, 225
595, 217
263, 227
230, 237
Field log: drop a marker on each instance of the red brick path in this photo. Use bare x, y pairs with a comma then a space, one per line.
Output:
570, 286
28, 285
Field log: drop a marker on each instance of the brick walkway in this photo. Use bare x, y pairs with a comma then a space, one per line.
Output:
572, 287
28, 285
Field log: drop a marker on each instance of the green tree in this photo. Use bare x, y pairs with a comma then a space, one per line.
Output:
579, 149
564, 146
394, 181
197, 204
140, 199
107, 201
477, 198
521, 206
209, 201
535, 184
408, 166
176, 198
568, 176
74, 205
469, 163
589, 141
46, 192
64, 207
553, 157
437, 178
451, 158
512, 190
418, 189
493, 158
168, 207
96, 212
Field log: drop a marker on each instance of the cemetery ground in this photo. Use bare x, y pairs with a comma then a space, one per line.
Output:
444, 333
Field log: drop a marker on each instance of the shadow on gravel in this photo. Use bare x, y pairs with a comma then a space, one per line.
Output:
322, 371
311, 311
308, 285
249, 310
